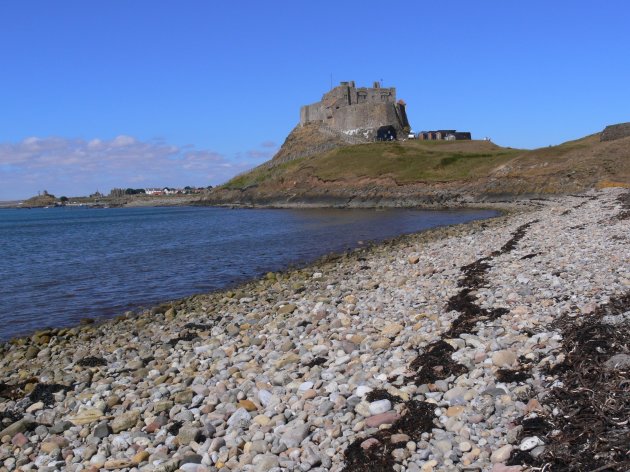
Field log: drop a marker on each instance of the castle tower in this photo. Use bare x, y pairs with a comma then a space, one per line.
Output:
357, 110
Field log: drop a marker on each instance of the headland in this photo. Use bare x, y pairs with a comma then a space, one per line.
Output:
355, 148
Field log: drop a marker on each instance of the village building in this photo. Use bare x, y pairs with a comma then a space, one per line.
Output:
163, 191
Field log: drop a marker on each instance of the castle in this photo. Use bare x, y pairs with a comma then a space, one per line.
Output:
360, 111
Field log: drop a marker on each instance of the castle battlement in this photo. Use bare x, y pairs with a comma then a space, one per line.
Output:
357, 110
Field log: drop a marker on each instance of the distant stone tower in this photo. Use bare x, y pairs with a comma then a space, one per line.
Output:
358, 111
613, 132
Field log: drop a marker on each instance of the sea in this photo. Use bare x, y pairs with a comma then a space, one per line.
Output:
60, 265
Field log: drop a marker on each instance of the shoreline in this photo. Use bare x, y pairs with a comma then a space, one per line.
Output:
136, 309
306, 368
446, 201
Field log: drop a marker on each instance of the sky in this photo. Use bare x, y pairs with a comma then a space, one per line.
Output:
116, 93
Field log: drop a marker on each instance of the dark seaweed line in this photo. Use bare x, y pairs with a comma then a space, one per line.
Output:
579, 205
591, 432
435, 363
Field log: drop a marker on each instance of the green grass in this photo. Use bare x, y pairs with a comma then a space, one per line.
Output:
249, 179
438, 161
406, 163
258, 176
447, 161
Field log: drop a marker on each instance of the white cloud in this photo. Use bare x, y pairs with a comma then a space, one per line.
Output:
120, 141
76, 167
95, 144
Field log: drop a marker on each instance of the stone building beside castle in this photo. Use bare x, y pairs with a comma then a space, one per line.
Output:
358, 111
445, 134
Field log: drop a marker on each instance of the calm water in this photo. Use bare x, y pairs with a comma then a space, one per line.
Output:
59, 265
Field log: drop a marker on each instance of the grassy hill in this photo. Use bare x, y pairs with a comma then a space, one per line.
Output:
404, 162
40, 201
431, 172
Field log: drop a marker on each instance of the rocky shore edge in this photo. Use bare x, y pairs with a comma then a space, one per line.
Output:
499, 345
419, 196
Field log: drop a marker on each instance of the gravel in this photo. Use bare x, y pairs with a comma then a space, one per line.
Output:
275, 375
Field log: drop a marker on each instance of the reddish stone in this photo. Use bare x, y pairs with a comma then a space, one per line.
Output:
506, 468
153, 427
156, 424
475, 419
370, 442
19, 440
533, 405
383, 418
58, 441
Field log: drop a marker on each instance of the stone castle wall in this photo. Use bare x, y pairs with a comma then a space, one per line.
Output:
364, 116
612, 132
312, 113
348, 108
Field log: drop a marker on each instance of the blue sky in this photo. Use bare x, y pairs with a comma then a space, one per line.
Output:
99, 94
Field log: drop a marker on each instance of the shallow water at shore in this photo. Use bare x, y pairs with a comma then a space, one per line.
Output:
60, 265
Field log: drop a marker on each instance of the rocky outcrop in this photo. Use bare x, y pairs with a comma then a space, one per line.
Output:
307, 140
613, 132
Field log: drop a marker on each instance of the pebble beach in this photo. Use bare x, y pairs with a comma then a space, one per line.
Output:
437, 351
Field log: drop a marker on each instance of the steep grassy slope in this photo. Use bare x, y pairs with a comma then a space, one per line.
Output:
417, 172
305, 141
402, 162
409, 162
571, 166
